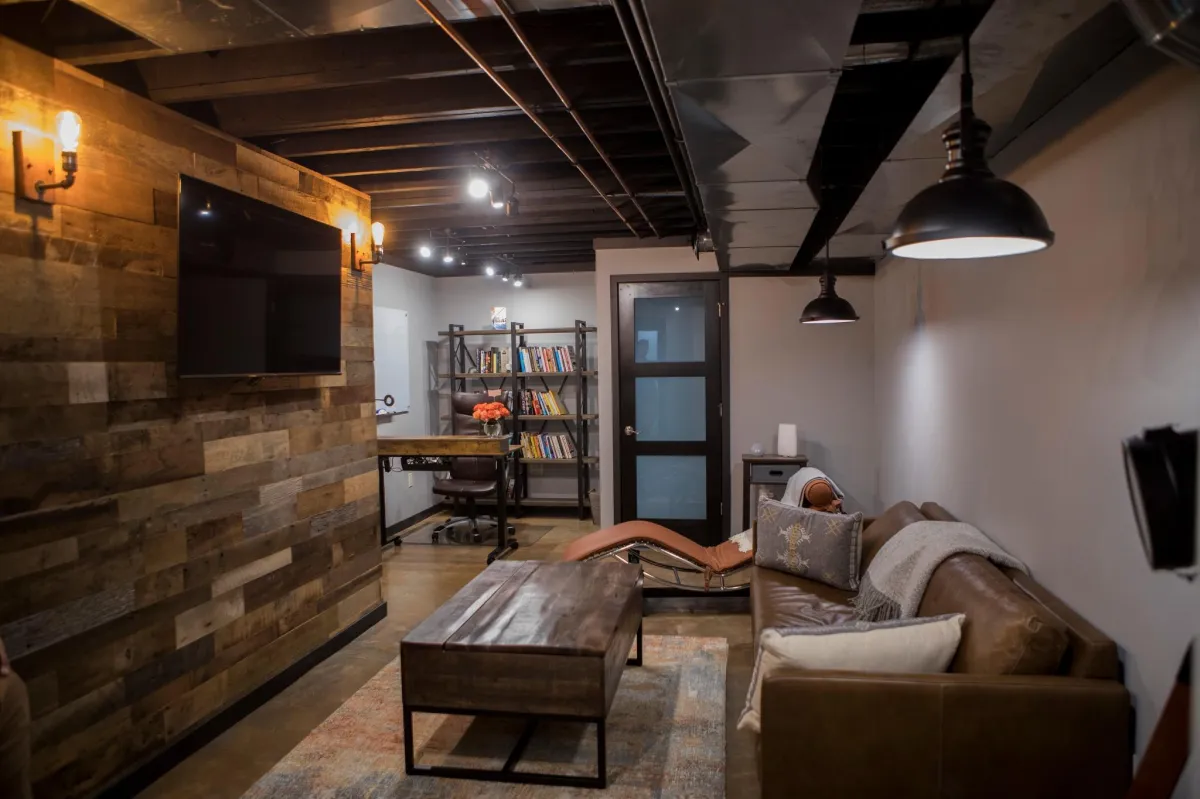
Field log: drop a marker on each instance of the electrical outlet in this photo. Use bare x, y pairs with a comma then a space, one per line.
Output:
410, 479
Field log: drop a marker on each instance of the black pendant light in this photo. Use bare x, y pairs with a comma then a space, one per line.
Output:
828, 308
969, 213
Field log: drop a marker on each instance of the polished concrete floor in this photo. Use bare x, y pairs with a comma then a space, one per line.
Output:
417, 579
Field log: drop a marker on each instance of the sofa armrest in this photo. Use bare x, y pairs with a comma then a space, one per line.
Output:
854, 734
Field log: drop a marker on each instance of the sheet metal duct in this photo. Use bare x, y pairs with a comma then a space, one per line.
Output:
185, 26
751, 82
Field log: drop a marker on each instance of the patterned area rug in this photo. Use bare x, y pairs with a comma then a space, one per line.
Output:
666, 738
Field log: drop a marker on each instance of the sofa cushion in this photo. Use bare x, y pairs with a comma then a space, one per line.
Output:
1006, 632
809, 543
784, 600
890, 522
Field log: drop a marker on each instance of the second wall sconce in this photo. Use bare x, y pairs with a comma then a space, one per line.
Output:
36, 167
376, 248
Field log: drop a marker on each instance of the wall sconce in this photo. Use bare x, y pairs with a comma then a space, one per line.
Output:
376, 248
35, 159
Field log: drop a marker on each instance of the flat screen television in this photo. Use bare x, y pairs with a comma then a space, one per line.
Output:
259, 287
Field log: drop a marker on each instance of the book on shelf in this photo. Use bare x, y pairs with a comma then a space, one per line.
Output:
542, 403
546, 359
546, 446
494, 360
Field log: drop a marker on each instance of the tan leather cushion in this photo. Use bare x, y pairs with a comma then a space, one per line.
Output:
722, 558
778, 599
886, 525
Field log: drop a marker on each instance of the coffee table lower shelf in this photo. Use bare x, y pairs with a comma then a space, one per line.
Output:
506, 773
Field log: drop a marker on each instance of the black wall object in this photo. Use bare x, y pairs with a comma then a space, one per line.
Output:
1160, 467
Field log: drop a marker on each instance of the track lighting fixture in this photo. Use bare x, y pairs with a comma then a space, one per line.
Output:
489, 270
425, 251
828, 308
447, 258
477, 185
504, 277
518, 281
969, 213
512, 207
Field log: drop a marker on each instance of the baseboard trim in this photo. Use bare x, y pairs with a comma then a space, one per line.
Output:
199, 736
394, 530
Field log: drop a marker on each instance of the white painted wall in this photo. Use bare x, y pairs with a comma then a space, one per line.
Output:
631, 261
1004, 387
413, 292
819, 377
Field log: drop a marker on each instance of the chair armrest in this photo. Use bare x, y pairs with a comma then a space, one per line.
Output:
952, 736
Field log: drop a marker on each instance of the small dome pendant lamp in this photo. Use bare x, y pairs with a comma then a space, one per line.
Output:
969, 212
828, 308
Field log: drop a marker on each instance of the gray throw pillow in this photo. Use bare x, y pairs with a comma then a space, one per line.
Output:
808, 543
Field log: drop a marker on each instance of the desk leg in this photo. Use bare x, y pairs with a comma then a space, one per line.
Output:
745, 496
383, 539
503, 544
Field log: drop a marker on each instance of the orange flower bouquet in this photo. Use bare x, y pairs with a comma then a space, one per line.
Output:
491, 414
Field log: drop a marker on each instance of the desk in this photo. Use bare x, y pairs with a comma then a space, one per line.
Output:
766, 470
432, 453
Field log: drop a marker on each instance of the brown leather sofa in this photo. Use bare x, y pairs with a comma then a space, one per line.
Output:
1032, 706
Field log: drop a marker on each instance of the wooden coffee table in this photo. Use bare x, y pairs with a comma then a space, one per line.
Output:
528, 639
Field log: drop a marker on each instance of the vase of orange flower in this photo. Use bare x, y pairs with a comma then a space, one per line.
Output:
491, 414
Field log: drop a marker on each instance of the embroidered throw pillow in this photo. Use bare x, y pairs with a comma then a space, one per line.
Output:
900, 646
808, 543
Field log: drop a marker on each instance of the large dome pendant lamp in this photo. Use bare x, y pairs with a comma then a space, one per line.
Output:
828, 308
969, 213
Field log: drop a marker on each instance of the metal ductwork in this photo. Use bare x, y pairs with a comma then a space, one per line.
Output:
1172, 26
188, 27
751, 82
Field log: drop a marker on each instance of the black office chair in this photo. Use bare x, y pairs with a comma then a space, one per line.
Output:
470, 479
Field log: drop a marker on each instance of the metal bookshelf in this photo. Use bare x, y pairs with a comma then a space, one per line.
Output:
464, 368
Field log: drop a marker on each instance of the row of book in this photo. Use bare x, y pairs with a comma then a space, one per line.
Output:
542, 403
546, 359
546, 446
494, 361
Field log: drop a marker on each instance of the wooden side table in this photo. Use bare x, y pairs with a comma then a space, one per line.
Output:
766, 470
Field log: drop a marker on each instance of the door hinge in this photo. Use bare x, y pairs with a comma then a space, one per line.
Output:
721, 409
722, 508
719, 309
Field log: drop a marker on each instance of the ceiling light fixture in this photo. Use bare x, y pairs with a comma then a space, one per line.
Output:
489, 270
518, 281
969, 213
477, 186
513, 206
447, 258
504, 277
828, 308
425, 251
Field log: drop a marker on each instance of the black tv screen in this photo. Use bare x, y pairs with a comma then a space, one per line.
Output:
259, 287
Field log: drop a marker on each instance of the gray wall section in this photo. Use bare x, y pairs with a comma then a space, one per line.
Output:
1004, 387
819, 377
412, 292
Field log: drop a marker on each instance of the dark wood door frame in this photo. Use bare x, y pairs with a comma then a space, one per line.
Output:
722, 281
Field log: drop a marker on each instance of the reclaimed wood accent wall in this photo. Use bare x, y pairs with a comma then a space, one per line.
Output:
166, 546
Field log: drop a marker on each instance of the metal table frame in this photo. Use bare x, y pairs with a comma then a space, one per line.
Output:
506, 773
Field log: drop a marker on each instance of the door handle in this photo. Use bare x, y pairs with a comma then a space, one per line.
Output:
629, 431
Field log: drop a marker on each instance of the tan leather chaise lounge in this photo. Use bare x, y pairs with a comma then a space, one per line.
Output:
1032, 706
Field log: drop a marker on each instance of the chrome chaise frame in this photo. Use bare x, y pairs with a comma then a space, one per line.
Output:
643, 552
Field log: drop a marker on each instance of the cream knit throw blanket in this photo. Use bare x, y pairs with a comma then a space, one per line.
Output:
896, 579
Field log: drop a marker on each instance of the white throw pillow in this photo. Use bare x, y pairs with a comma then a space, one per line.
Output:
901, 646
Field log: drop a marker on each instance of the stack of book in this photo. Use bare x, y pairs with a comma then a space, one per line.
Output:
546, 359
541, 403
494, 361
546, 446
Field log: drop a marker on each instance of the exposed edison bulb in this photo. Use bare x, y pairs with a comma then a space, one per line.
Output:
477, 188
69, 126
425, 251
377, 233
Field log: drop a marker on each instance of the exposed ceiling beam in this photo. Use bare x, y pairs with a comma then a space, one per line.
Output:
913, 25
418, 52
89, 55
425, 159
397, 102
652, 176
433, 134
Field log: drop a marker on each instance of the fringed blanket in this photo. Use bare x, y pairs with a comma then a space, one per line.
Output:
896, 579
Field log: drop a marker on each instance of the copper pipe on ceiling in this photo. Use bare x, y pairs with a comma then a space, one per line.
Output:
442, 23
506, 12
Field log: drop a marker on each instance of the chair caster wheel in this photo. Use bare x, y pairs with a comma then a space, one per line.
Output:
433, 538
477, 538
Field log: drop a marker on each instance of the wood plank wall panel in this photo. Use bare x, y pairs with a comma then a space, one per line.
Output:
166, 546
